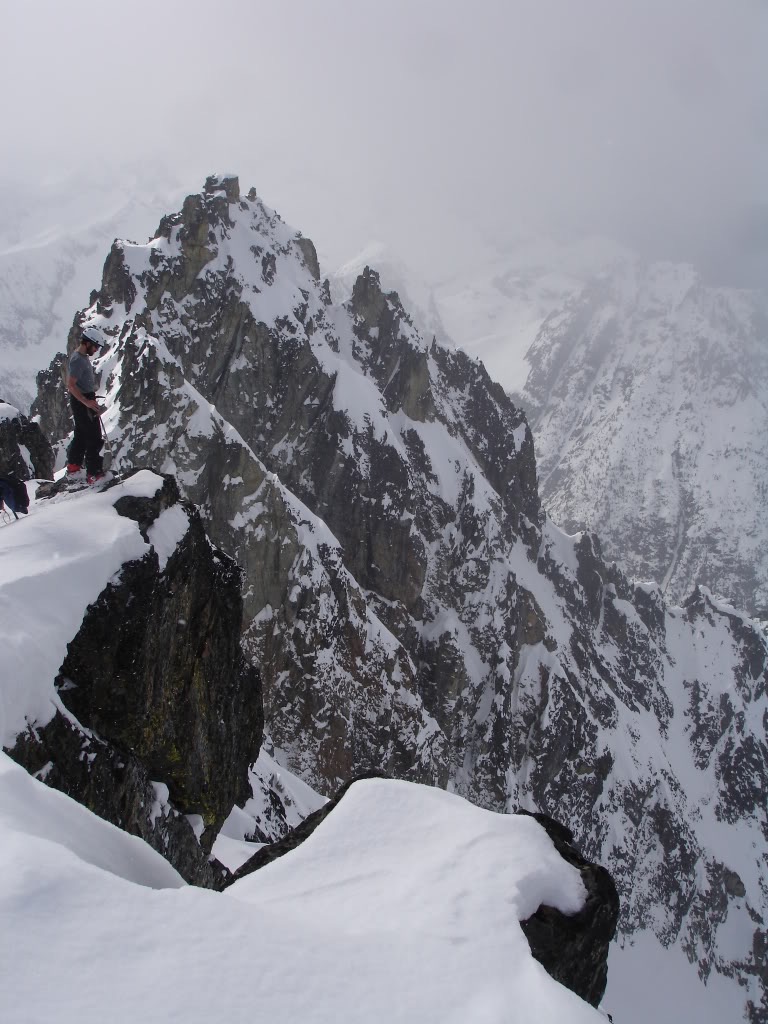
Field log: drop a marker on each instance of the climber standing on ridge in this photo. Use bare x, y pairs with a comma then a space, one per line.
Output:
81, 384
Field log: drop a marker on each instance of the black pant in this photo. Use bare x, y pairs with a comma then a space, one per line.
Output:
88, 440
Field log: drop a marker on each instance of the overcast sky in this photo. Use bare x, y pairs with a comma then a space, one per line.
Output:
433, 125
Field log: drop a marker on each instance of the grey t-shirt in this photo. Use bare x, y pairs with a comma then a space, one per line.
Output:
80, 368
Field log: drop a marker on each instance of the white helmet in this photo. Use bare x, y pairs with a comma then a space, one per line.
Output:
92, 336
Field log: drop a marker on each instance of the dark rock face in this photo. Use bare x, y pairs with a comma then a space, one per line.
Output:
171, 639
51, 406
309, 253
574, 948
22, 433
117, 786
158, 689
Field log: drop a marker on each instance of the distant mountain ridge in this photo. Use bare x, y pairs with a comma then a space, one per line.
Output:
647, 393
408, 601
648, 398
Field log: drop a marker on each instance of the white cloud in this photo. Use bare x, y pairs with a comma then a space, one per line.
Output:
431, 124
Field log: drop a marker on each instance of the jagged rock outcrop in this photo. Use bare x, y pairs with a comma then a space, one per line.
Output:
51, 405
24, 448
574, 948
410, 606
117, 786
163, 714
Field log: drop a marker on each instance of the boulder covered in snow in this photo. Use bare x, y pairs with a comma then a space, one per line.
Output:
141, 704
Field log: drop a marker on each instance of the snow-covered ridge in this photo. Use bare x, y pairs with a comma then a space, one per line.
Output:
280, 935
8, 412
422, 848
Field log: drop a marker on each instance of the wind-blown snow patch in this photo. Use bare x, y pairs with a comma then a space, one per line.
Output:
32, 816
167, 532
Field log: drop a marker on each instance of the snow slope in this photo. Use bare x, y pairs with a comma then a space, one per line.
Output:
402, 906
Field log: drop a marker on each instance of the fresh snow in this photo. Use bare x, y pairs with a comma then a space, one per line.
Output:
440, 878
53, 564
167, 532
49, 824
403, 905
8, 412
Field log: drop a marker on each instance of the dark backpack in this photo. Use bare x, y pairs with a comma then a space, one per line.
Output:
13, 494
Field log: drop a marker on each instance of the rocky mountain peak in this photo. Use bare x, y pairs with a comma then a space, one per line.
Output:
229, 184
408, 603
368, 300
24, 448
